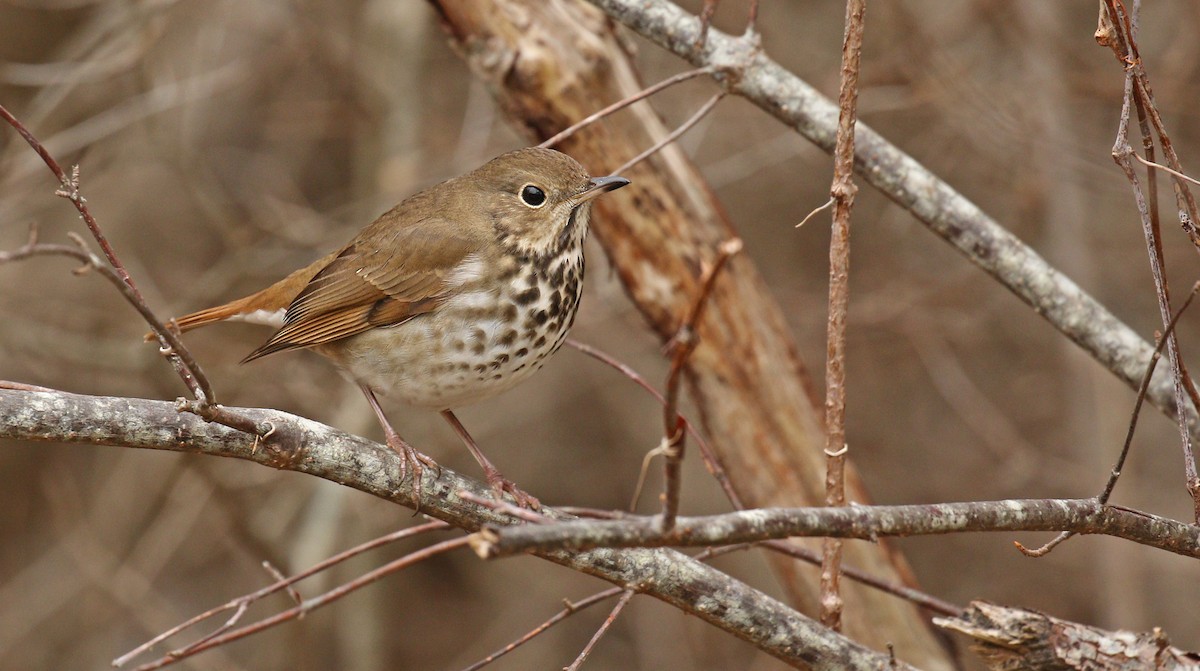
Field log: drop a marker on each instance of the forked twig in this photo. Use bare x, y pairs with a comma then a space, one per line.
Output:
240, 604
608, 621
170, 345
569, 609
673, 135
310, 604
1137, 95
626, 102
682, 345
711, 461
1118, 467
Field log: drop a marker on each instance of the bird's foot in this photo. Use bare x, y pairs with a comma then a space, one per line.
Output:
501, 484
414, 461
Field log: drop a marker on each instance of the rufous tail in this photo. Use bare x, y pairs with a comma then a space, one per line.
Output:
274, 298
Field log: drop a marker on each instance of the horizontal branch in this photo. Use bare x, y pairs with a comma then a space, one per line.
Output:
305, 446
1083, 516
747, 71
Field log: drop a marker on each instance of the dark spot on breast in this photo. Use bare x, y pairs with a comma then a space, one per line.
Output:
497, 376
541, 317
478, 348
480, 368
528, 296
503, 358
509, 337
520, 353
459, 345
540, 341
532, 279
555, 303
510, 313
553, 326
518, 368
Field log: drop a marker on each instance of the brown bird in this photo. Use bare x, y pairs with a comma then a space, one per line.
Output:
456, 294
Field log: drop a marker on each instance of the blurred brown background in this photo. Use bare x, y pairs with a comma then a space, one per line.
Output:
225, 143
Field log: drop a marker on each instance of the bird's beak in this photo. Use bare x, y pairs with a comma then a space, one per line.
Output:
600, 185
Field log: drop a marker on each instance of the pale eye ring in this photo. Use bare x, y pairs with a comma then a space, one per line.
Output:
533, 196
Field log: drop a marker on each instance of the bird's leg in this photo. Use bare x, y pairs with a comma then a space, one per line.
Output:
409, 456
499, 483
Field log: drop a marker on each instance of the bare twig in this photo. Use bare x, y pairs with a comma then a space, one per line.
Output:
1118, 467
1136, 94
1165, 169
309, 604
682, 345
622, 104
711, 461
673, 135
608, 621
241, 603
177, 353
570, 608
842, 193
916, 596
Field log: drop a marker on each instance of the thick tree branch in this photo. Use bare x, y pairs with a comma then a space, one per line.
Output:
316, 449
1014, 638
748, 72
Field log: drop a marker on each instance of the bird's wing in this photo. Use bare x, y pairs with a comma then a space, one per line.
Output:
388, 275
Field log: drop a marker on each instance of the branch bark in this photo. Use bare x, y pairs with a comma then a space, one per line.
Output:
1015, 638
316, 449
1082, 516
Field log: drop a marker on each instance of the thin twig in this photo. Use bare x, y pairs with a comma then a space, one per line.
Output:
842, 193
682, 345
608, 621
177, 353
242, 602
502, 506
1136, 94
711, 461
673, 135
622, 104
1118, 467
922, 599
310, 604
1141, 396
1164, 168
570, 609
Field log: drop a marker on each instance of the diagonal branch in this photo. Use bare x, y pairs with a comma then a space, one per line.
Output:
748, 72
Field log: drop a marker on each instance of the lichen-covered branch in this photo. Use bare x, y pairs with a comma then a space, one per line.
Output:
1015, 638
305, 446
1083, 516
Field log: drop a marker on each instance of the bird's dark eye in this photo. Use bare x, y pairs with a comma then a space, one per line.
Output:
533, 196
